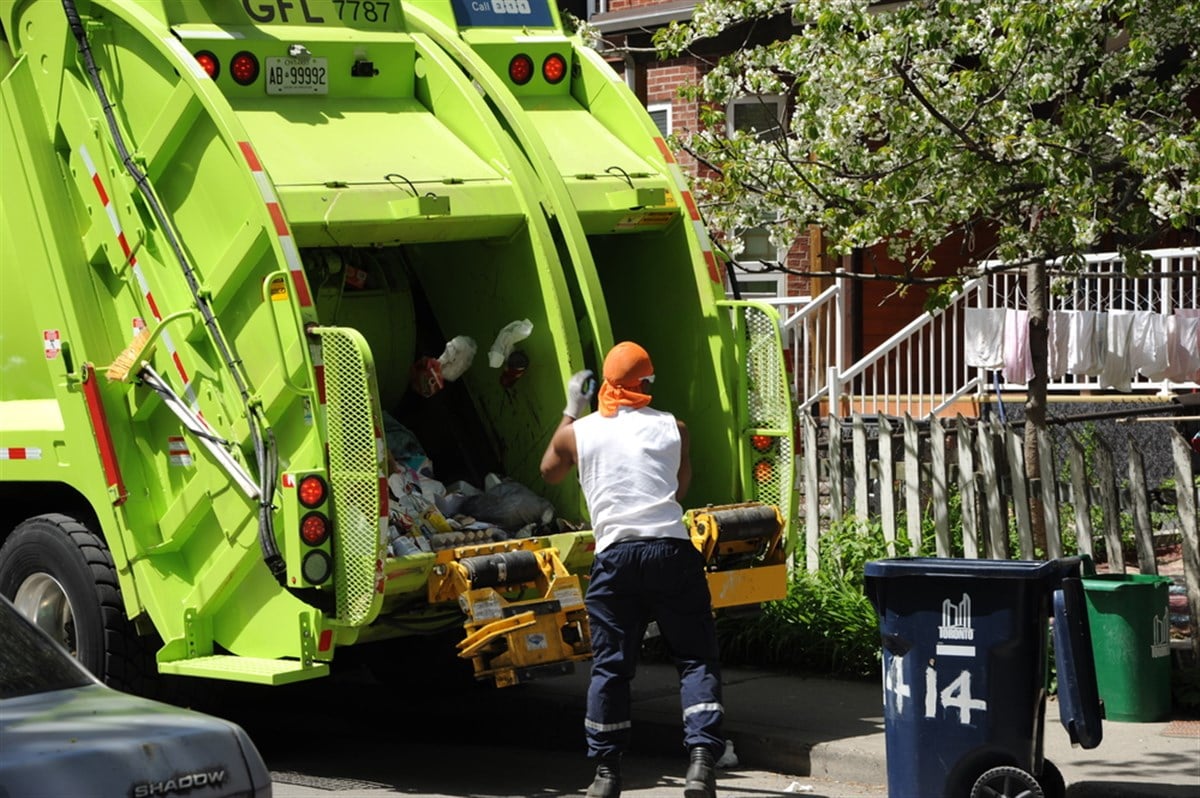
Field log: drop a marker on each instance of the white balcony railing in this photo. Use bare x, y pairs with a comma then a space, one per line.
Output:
921, 370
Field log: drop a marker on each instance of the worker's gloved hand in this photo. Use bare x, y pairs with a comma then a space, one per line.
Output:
580, 390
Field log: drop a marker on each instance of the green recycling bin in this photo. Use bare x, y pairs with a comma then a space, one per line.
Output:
1131, 640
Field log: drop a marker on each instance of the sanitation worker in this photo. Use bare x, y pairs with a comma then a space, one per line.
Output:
634, 470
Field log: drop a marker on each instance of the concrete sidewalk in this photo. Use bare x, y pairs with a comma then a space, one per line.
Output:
834, 729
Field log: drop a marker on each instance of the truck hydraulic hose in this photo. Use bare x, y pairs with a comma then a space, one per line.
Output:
262, 438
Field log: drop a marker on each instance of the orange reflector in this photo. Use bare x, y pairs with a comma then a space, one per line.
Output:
520, 69
764, 471
208, 62
312, 491
314, 529
554, 68
244, 68
761, 442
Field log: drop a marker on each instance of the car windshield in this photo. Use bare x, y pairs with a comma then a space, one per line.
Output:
29, 661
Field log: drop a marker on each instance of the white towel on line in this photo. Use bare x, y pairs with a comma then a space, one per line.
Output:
983, 331
1118, 371
1148, 344
1183, 346
1085, 342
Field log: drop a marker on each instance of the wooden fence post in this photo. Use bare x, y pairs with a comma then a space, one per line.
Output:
837, 506
912, 482
1143, 533
1049, 486
966, 489
1020, 494
996, 528
941, 492
887, 486
1081, 500
1185, 502
1106, 474
812, 487
862, 482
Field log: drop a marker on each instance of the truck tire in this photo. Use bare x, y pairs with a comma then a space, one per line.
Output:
61, 576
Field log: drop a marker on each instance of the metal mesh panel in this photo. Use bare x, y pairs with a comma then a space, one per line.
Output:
768, 404
353, 474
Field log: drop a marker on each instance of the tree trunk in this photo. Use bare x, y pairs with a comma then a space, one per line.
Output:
1037, 290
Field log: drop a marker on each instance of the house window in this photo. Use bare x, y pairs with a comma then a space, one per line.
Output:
661, 114
761, 113
757, 285
757, 254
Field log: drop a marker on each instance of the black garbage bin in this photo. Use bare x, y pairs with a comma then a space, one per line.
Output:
966, 672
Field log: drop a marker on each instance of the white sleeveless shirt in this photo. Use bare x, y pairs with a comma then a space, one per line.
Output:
629, 471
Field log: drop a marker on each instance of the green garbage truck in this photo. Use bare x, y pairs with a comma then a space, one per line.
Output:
289, 292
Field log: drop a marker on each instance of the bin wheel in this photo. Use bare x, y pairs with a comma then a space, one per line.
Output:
1052, 781
1006, 782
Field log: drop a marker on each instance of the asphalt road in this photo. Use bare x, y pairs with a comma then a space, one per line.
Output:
442, 735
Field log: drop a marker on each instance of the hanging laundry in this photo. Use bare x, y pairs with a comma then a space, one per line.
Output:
1085, 342
1183, 346
983, 331
1117, 371
1018, 365
1148, 344
1058, 342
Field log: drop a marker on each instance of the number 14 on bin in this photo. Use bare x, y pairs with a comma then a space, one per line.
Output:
956, 694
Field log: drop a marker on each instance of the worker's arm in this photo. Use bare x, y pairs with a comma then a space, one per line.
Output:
685, 462
561, 454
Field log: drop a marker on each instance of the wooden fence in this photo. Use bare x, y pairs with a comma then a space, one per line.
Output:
911, 471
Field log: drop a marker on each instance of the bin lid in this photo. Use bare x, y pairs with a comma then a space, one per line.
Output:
973, 569
1107, 583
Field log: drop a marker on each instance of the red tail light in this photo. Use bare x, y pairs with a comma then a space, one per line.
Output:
520, 69
244, 68
314, 529
761, 443
209, 63
554, 68
312, 491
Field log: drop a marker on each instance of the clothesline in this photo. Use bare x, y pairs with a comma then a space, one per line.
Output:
1112, 346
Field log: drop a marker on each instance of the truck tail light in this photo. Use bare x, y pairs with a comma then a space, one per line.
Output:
761, 443
764, 471
314, 529
520, 69
244, 68
312, 491
554, 68
317, 566
209, 63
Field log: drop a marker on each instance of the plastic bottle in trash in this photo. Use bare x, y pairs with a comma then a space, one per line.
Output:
514, 369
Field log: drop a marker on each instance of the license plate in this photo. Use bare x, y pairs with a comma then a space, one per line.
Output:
298, 75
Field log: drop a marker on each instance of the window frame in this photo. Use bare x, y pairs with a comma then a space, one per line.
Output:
669, 108
754, 99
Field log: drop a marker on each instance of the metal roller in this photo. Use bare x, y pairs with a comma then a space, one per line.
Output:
745, 523
496, 570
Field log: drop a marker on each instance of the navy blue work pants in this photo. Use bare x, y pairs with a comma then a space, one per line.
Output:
633, 583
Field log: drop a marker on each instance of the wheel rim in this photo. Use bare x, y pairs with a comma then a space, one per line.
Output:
41, 599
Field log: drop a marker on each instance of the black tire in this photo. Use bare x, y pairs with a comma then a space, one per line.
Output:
61, 576
1052, 781
1006, 782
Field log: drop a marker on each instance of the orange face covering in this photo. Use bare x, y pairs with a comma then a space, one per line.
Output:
625, 367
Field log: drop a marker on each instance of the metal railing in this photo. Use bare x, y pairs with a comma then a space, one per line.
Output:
921, 370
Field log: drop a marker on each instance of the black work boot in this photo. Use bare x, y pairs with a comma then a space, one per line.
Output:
701, 779
607, 783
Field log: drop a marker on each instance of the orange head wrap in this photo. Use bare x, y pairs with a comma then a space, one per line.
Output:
625, 367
